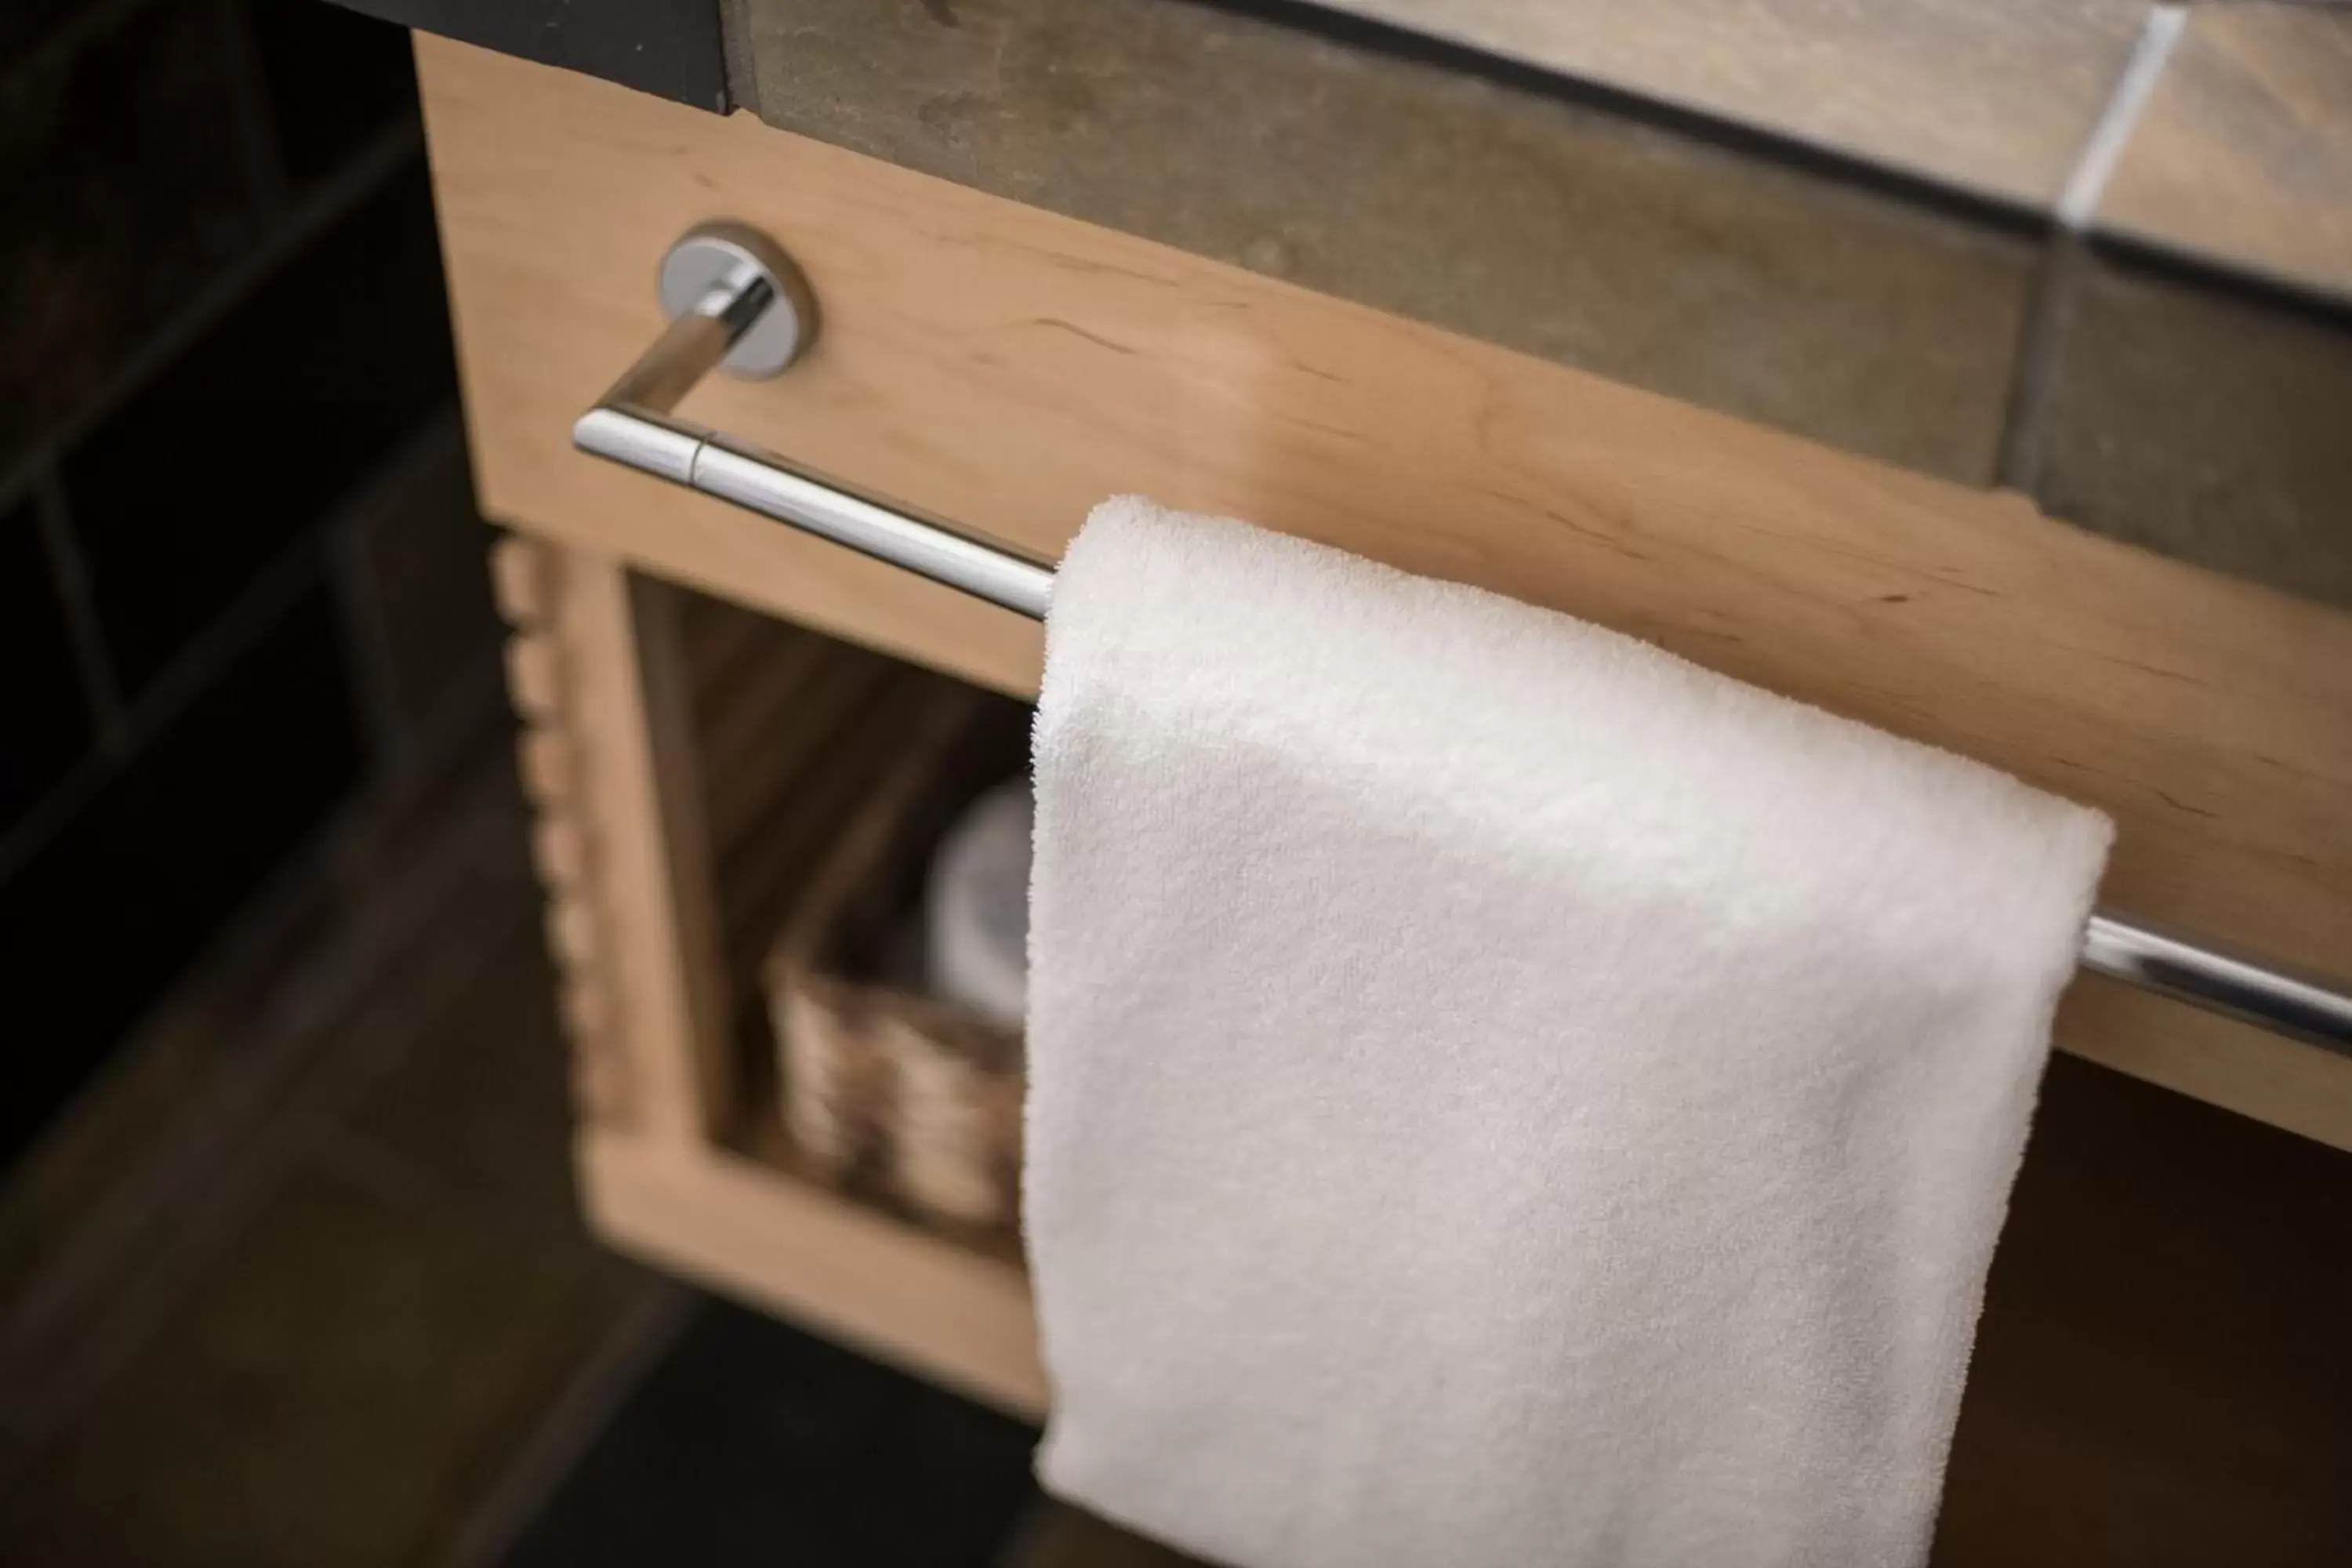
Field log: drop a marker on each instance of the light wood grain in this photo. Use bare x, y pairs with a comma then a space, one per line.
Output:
526, 577
522, 581
2265, 1076
958, 1316
534, 675
1007, 368
2244, 151
543, 757
638, 806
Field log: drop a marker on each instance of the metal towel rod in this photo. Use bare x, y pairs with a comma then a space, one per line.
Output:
737, 303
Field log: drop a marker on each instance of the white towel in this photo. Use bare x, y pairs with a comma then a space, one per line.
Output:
1501, 1094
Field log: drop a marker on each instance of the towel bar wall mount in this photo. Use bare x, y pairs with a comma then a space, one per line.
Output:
737, 303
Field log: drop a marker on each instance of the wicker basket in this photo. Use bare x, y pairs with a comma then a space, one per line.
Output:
886, 1089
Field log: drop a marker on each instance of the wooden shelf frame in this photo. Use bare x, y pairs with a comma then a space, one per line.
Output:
598, 671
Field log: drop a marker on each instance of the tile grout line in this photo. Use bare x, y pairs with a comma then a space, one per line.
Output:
249, 618
41, 466
69, 577
2017, 460
250, 615
38, 472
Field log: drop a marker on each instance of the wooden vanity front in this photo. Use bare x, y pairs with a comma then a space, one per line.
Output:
1006, 368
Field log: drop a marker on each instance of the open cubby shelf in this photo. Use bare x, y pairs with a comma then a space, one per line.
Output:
686, 757
689, 761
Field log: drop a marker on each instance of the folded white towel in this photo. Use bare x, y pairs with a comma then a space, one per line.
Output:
1501, 1094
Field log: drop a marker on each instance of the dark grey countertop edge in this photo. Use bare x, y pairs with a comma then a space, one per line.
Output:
672, 48
699, 52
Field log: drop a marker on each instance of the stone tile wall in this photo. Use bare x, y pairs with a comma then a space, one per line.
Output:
2181, 405
227, 445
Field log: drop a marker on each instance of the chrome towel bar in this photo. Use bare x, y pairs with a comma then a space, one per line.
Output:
737, 303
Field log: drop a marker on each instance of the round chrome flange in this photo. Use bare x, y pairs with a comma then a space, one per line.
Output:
713, 253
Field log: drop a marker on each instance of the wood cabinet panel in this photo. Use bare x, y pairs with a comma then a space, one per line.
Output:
1007, 368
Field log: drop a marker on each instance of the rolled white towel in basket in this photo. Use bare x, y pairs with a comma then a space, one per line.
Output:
1501, 1094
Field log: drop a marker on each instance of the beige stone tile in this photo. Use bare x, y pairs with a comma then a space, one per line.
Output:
1723, 279
1992, 96
2243, 154
2210, 426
